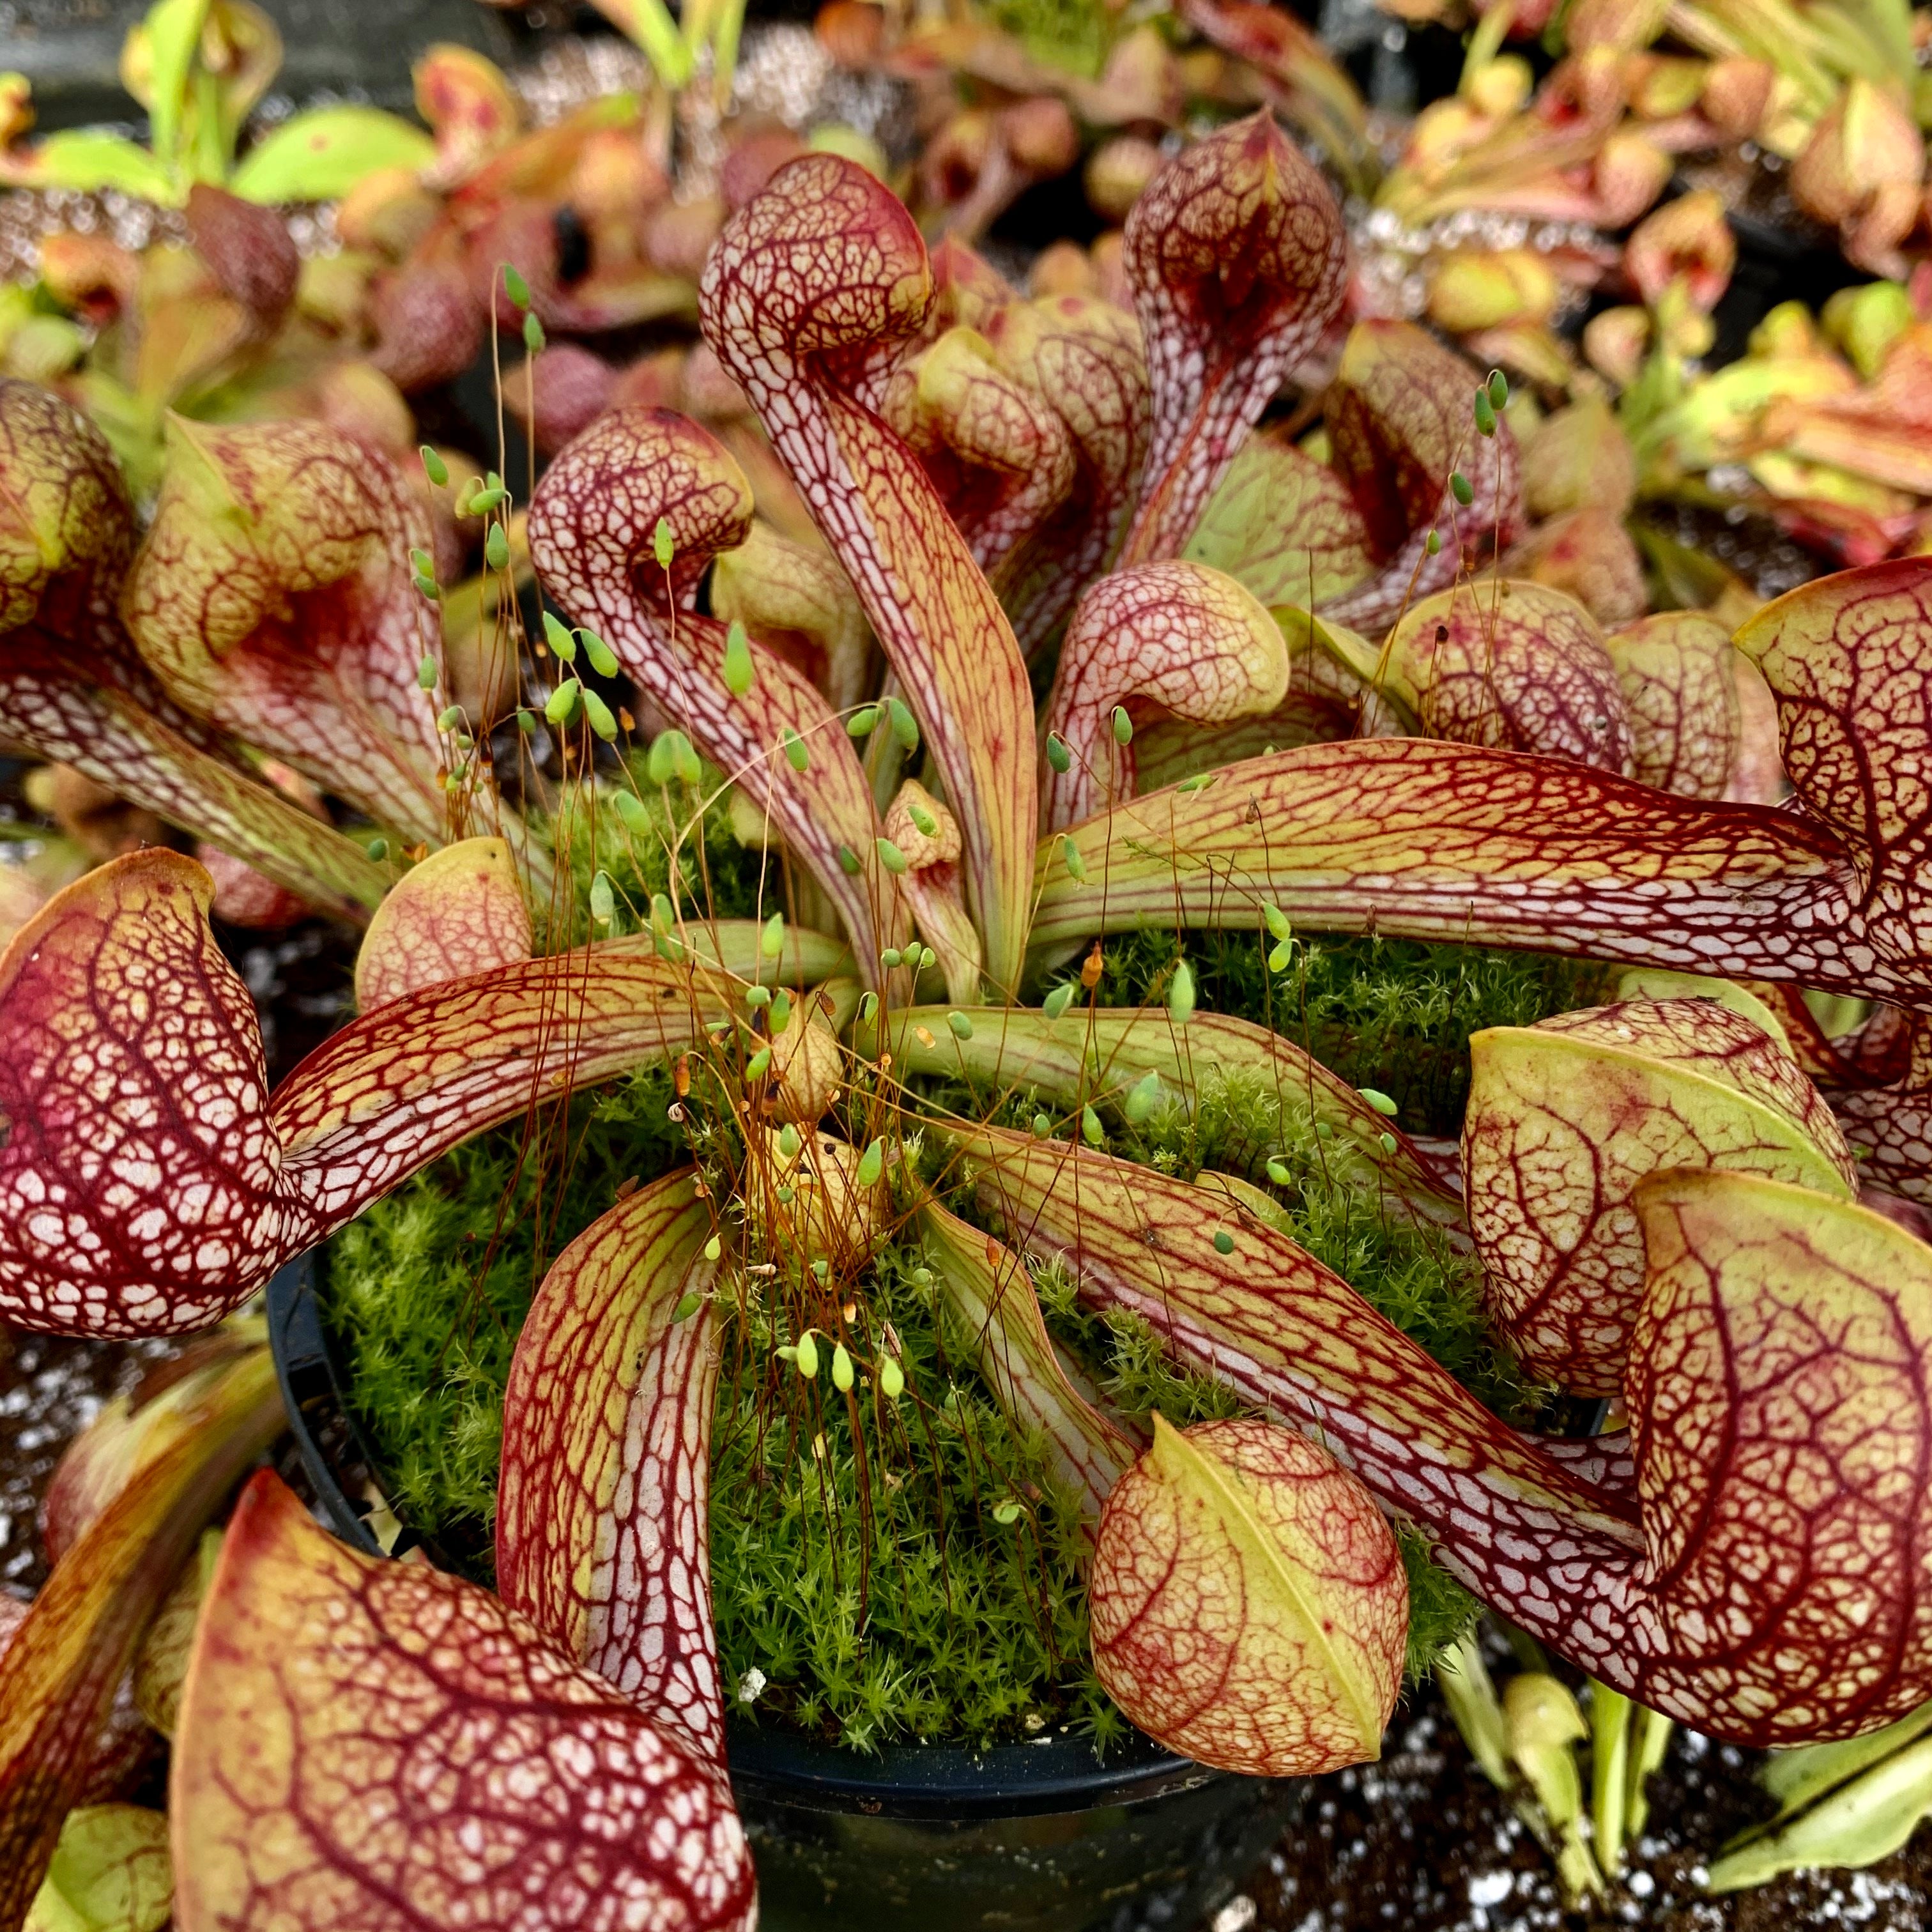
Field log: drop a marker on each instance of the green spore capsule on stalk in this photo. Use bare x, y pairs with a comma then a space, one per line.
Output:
892, 958
425, 565
807, 1356
533, 335
603, 658
759, 1065
1006, 1514
1278, 1173
890, 856
428, 587
962, 1028
496, 548
872, 1164
562, 705
671, 756
635, 814
1090, 1128
849, 863
449, 717
1180, 994
868, 1009
863, 721
1041, 1127
924, 820
560, 636
1224, 1242
1141, 1097
905, 726
757, 996
434, 468
1124, 726
377, 848
739, 669
714, 1248
1380, 1101
689, 1304
781, 1010
526, 723
1498, 389
1486, 415
1076, 866
1057, 755
1462, 489
1057, 1001
603, 900
1387, 1142
842, 1369
797, 754
1432, 544
663, 547
771, 941
599, 715
789, 1142
515, 287
892, 1380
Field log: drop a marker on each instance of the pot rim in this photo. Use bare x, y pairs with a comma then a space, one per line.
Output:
1055, 1774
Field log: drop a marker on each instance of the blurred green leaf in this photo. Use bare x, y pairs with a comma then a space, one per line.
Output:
321, 155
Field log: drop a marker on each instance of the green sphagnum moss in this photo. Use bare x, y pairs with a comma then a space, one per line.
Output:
871, 1581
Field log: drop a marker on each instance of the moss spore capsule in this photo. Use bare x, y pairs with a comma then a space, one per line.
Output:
739, 669
1180, 994
598, 715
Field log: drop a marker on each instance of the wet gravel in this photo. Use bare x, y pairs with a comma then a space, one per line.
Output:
50, 1390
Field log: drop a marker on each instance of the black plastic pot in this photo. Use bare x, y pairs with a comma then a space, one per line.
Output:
1031, 1837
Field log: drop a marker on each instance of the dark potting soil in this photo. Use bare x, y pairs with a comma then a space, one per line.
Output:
1419, 1842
